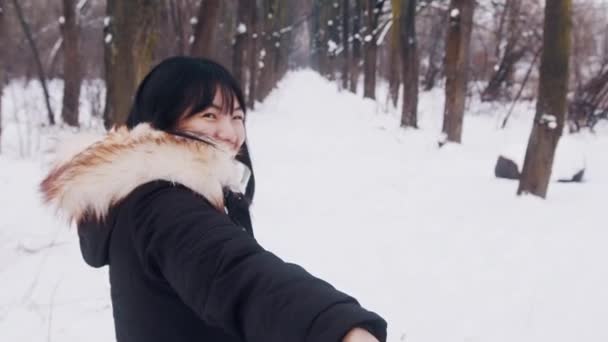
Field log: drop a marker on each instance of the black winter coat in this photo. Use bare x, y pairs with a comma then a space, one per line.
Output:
182, 270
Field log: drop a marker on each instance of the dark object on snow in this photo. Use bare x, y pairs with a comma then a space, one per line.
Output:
577, 178
506, 168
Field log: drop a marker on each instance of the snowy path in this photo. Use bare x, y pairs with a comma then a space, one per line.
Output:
426, 237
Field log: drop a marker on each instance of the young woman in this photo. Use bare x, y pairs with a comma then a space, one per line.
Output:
165, 203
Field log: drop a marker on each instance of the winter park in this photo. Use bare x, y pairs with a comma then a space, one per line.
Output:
423, 170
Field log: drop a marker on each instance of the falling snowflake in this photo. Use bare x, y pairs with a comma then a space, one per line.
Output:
241, 29
332, 46
454, 13
108, 38
61, 20
193, 21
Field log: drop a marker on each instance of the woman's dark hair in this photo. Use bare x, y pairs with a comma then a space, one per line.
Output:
179, 87
182, 86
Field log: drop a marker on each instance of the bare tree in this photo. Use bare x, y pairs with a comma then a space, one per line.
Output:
2, 61
345, 43
436, 48
253, 54
409, 63
356, 56
374, 10
334, 37
272, 42
456, 66
509, 51
394, 76
71, 63
176, 17
241, 40
205, 28
551, 104
41, 75
131, 38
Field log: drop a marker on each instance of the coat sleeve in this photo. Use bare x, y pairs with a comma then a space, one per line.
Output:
231, 282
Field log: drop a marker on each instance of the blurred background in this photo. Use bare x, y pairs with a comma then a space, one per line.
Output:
390, 141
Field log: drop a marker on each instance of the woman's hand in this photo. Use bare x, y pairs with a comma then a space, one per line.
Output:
359, 335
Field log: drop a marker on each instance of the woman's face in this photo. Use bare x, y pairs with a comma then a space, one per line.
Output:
228, 129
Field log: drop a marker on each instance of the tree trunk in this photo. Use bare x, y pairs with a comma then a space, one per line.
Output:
456, 66
41, 76
241, 41
2, 61
177, 23
315, 36
436, 49
271, 39
551, 104
205, 28
394, 76
356, 59
507, 59
409, 63
284, 29
71, 64
334, 39
253, 55
345, 43
130, 39
374, 9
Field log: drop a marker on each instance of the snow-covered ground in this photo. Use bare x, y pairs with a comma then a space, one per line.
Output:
426, 237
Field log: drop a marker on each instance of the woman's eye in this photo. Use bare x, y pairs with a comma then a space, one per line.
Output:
238, 117
209, 116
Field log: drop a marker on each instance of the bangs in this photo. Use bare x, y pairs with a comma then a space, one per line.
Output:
200, 95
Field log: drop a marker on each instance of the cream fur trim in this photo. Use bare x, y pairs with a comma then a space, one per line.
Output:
108, 170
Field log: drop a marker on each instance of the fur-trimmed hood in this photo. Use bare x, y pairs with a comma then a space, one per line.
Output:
92, 179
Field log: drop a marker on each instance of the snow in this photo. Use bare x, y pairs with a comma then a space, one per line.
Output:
331, 46
193, 21
330, 23
108, 38
454, 13
550, 120
106, 21
61, 20
384, 31
425, 236
80, 5
368, 38
241, 28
